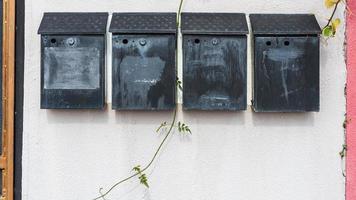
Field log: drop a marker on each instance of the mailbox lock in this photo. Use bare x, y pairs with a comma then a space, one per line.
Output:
215, 41
71, 41
143, 42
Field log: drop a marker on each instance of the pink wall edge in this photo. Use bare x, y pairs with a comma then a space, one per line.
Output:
351, 103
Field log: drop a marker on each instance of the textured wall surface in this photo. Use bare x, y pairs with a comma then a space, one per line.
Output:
351, 104
242, 155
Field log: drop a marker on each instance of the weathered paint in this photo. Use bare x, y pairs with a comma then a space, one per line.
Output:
73, 71
286, 74
143, 72
214, 73
71, 68
351, 102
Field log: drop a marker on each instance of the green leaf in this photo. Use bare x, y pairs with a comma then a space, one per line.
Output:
143, 180
342, 153
328, 31
180, 87
183, 128
179, 84
137, 169
161, 126
189, 130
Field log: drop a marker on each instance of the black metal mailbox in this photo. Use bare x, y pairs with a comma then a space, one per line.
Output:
73, 60
286, 62
214, 66
144, 61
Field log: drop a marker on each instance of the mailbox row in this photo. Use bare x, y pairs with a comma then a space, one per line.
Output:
285, 59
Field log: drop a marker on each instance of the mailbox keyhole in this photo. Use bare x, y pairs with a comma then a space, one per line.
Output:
125, 41
53, 40
268, 43
197, 41
286, 43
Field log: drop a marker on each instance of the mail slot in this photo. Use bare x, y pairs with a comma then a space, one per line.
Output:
286, 62
214, 66
73, 60
143, 61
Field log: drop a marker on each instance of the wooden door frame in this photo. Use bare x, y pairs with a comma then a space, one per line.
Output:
8, 99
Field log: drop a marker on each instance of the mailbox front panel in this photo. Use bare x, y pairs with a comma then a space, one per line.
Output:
72, 74
214, 72
286, 74
144, 72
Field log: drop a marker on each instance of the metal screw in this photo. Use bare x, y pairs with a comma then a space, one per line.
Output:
215, 41
143, 42
71, 41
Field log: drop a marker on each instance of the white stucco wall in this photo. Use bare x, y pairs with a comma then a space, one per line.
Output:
68, 155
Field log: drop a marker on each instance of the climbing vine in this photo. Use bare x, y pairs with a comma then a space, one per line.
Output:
330, 28
139, 171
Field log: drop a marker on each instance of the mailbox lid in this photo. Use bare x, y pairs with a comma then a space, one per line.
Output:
73, 23
214, 23
284, 24
144, 23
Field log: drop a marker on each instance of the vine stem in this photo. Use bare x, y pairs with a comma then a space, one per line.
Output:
163, 126
179, 12
149, 164
333, 14
102, 195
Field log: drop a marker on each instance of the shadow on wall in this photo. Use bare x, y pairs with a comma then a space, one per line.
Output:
258, 119
68, 116
143, 117
190, 117
214, 117
284, 119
